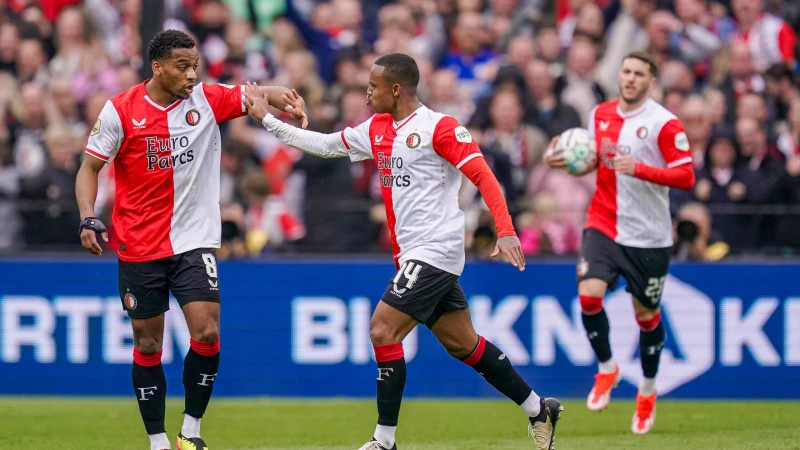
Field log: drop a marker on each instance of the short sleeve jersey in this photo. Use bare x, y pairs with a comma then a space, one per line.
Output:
631, 211
167, 166
418, 163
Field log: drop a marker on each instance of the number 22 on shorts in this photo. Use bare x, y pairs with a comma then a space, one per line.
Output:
655, 286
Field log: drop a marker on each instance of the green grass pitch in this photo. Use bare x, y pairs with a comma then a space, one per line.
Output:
114, 424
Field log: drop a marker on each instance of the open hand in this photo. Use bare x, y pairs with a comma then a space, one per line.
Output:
295, 105
256, 104
511, 247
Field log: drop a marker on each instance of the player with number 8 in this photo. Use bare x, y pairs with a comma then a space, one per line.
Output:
163, 138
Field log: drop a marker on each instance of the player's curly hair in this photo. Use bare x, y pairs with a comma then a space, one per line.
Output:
164, 42
400, 68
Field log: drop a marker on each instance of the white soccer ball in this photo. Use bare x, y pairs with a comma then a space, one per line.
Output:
579, 149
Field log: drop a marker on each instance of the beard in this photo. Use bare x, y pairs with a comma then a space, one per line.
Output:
635, 97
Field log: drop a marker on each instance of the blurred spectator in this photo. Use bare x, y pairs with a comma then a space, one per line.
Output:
780, 231
718, 106
743, 78
726, 180
674, 75
471, 57
577, 87
549, 47
514, 148
760, 156
521, 51
696, 118
50, 192
789, 139
591, 24
9, 40
626, 34
267, 220
553, 116
10, 221
781, 90
770, 39
572, 193
446, 97
695, 239
543, 230
31, 61
33, 110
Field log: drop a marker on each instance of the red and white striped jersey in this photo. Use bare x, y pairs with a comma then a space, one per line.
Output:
167, 166
631, 211
771, 40
418, 163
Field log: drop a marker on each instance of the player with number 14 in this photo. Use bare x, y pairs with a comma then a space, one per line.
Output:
421, 156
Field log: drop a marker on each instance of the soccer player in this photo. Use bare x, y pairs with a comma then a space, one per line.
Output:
421, 155
164, 139
642, 152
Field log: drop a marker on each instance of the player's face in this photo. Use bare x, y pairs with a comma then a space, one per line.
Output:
178, 74
381, 94
635, 80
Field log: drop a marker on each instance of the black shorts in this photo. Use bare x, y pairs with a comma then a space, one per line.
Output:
424, 292
645, 269
144, 287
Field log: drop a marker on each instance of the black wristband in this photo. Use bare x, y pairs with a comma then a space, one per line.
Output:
92, 223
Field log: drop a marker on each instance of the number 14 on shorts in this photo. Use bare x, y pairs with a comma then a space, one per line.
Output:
411, 272
655, 286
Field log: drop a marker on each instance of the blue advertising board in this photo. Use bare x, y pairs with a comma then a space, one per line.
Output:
301, 328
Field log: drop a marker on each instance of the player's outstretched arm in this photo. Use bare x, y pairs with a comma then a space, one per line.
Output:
311, 142
284, 99
86, 194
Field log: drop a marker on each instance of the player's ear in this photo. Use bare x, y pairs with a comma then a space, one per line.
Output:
396, 90
156, 67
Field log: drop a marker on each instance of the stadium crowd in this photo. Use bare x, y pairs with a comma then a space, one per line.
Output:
517, 72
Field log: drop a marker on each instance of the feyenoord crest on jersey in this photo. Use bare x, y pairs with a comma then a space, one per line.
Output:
641, 133
413, 140
193, 117
130, 301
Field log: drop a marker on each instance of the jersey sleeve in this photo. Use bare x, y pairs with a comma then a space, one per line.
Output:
106, 135
674, 144
356, 141
225, 101
454, 143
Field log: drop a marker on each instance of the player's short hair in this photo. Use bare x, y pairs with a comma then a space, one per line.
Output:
645, 58
164, 42
400, 68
